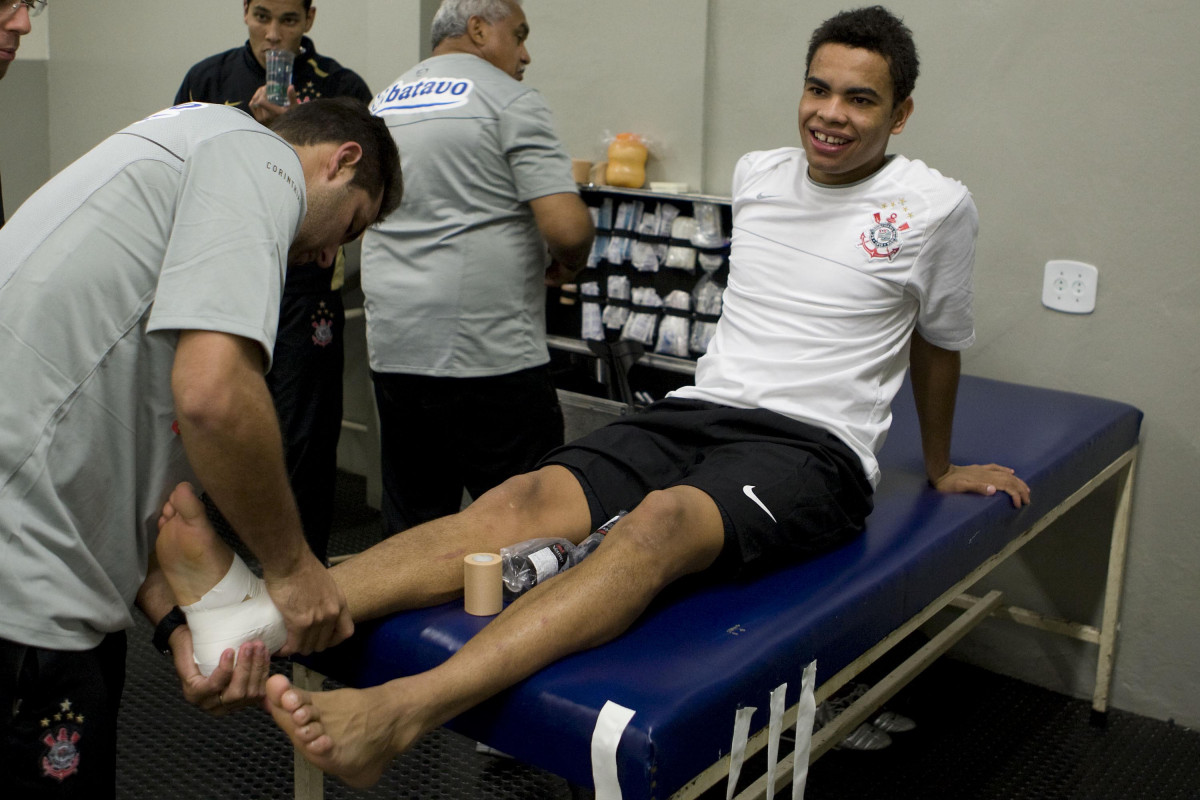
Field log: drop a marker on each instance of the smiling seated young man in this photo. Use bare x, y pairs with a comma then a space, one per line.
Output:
847, 264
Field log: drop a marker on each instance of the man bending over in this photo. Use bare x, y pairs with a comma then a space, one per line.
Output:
134, 350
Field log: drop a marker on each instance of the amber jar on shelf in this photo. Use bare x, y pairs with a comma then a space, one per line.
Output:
626, 161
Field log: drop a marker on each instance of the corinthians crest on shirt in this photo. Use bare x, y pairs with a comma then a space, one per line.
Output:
882, 239
61, 738
322, 323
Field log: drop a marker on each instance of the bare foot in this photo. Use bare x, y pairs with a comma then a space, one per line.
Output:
349, 733
192, 555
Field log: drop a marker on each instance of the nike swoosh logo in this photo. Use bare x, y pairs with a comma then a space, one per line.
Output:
764, 196
748, 490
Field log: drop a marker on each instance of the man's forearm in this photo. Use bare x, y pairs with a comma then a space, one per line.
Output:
246, 477
566, 225
231, 434
935, 374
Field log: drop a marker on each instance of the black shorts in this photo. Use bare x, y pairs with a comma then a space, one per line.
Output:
786, 490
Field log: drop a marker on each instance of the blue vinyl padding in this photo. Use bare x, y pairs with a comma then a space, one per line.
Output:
699, 654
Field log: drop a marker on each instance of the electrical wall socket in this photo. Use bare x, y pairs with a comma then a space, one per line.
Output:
1070, 286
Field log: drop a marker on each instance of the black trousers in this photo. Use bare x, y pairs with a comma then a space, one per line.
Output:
439, 436
58, 720
306, 385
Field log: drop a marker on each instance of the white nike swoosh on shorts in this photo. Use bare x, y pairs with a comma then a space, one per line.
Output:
748, 490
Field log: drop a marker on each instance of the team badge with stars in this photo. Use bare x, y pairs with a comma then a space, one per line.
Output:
882, 239
322, 322
309, 91
61, 739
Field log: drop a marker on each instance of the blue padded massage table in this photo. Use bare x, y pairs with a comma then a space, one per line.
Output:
699, 654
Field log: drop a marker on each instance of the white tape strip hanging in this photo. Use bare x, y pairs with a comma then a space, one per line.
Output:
806, 714
778, 704
737, 750
610, 725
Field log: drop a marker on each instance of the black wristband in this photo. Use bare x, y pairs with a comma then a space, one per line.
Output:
164, 629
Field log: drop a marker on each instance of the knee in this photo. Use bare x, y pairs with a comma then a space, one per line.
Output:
669, 529
655, 526
523, 503
510, 497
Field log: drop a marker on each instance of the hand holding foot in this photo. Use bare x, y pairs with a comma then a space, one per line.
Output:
229, 687
225, 603
313, 607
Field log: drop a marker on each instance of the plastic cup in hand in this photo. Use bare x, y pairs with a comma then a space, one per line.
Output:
279, 75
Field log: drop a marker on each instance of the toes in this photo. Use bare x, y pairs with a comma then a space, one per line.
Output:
186, 503
321, 746
313, 735
297, 702
277, 686
304, 715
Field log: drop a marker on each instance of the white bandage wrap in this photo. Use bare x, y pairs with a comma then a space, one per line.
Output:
238, 609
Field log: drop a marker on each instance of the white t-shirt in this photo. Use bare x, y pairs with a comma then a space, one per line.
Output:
181, 221
826, 284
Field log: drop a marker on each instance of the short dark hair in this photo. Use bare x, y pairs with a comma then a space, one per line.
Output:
345, 119
880, 31
307, 4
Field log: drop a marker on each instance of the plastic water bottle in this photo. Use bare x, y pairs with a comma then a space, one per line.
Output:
588, 545
529, 563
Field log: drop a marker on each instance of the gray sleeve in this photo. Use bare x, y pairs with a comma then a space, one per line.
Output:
540, 165
240, 204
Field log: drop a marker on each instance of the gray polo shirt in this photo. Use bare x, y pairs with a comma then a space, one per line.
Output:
454, 278
180, 221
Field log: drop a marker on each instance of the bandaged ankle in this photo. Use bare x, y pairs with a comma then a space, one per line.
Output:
238, 584
238, 609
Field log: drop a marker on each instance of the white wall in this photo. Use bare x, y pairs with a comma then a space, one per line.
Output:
118, 60
616, 71
1072, 122
35, 45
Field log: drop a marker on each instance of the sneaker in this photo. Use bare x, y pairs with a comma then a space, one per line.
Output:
892, 722
865, 737
873, 735
838, 703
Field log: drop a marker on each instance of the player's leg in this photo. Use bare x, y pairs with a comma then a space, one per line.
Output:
354, 733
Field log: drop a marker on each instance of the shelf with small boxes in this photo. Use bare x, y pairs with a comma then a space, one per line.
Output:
632, 325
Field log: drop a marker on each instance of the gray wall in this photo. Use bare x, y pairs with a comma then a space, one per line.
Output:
24, 121
1072, 122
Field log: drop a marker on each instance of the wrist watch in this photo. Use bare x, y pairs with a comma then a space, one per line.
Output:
164, 629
